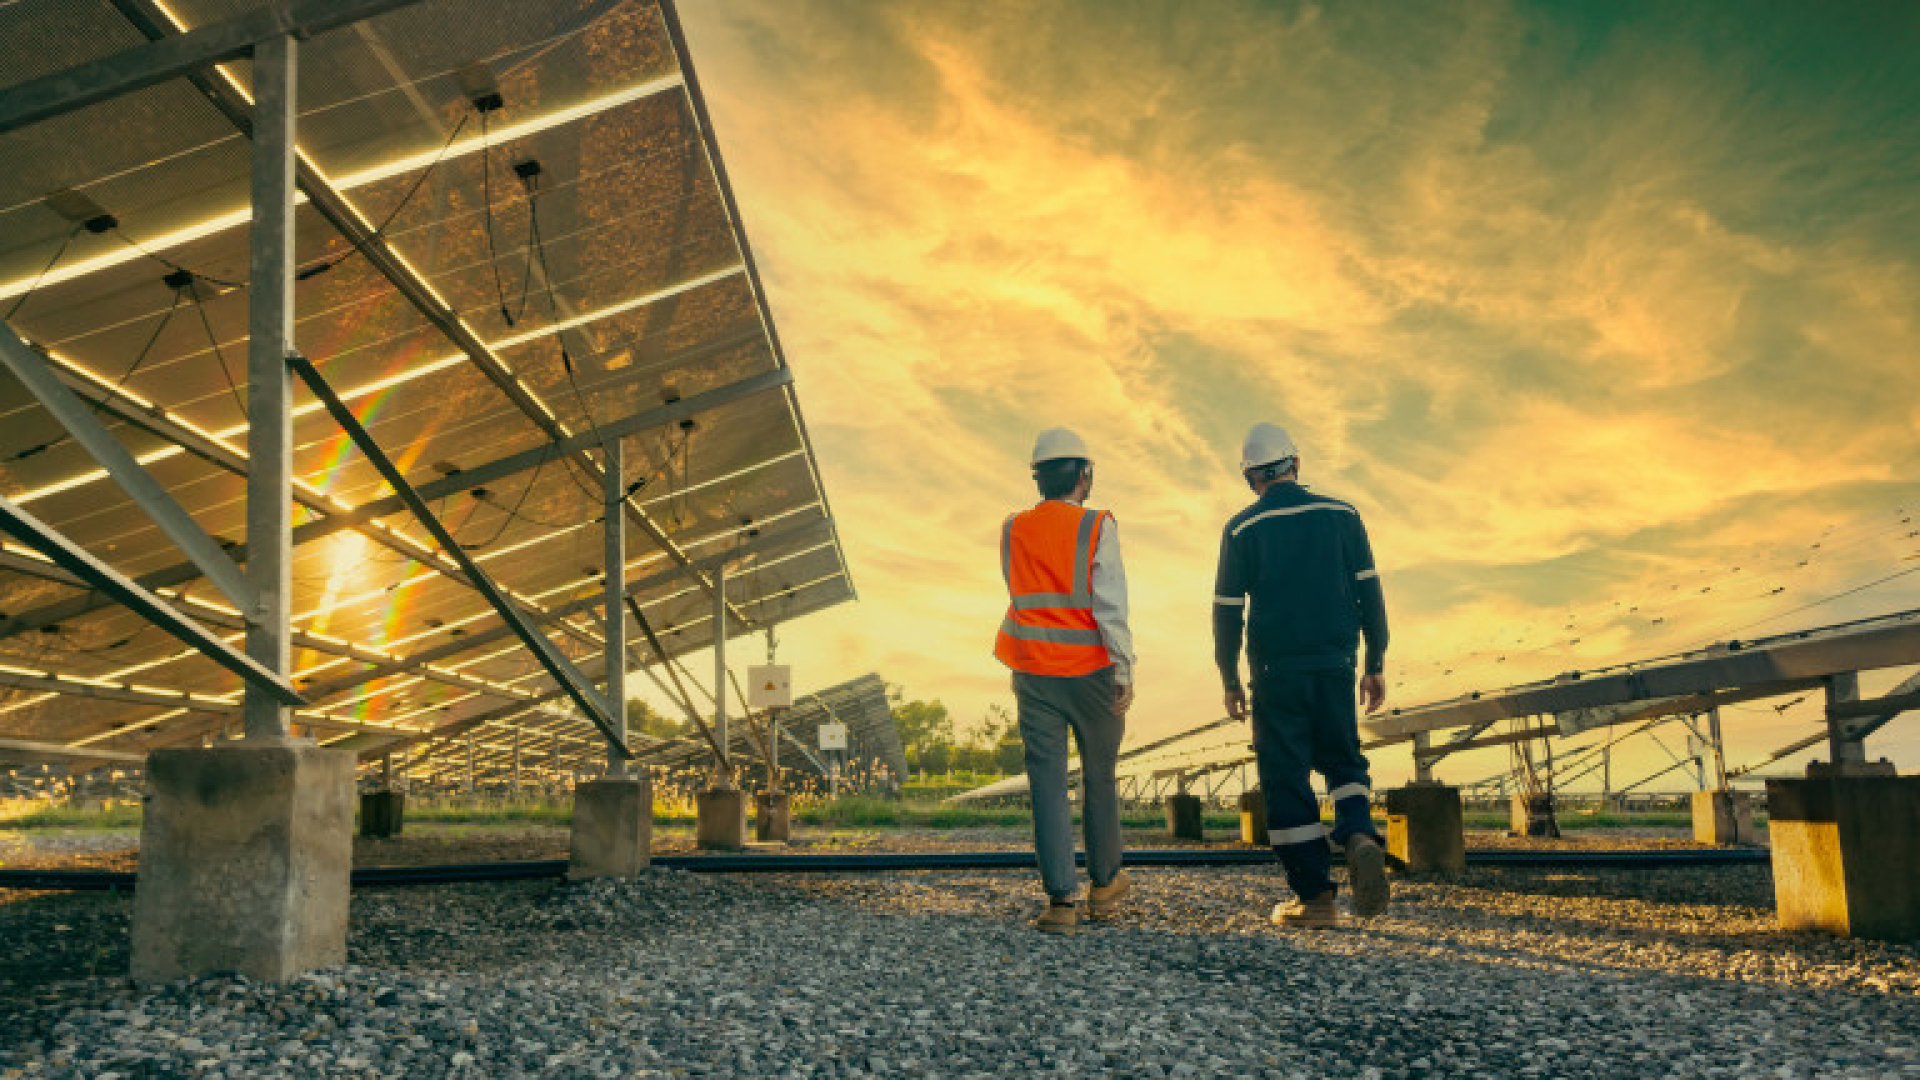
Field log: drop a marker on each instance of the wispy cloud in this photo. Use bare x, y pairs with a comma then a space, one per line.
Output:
1570, 302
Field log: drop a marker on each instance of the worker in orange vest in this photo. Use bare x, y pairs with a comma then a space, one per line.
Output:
1065, 637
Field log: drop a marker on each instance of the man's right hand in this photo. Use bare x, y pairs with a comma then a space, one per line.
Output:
1237, 703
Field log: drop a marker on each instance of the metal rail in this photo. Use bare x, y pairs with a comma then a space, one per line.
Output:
884, 862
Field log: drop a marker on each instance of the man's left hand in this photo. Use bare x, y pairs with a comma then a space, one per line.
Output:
1373, 691
1122, 698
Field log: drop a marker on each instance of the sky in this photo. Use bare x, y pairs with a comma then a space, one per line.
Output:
1605, 317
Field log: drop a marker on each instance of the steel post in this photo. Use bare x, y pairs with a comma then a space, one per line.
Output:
614, 485
720, 670
269, 386
1719, 747
1843, 687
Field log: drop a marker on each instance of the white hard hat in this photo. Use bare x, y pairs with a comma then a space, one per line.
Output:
1266, 444
1059, 442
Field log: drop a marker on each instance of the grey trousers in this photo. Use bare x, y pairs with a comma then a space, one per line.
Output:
1048, 708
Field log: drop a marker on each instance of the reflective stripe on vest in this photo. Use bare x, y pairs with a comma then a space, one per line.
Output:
1051, 633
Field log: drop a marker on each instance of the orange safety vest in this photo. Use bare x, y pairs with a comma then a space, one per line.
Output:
1046, 555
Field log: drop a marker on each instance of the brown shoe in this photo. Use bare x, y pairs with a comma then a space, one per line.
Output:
1319, 912
1367, 875
1103, 901
1059, 918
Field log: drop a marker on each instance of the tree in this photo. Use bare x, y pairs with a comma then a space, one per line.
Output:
979, 750
644, 719
926, 731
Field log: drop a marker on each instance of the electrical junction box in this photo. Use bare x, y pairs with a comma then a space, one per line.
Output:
833, 736
770, 686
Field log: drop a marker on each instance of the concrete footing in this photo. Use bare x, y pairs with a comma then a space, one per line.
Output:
612, 827
773, 817
382, 813
1722, 817
1253, 817
1183, 818
1426, 829
720, 819
245, 855
1844, 852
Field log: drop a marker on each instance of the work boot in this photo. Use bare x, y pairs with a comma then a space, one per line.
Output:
1060, 917
1317, 912
1367, 875
1103, 901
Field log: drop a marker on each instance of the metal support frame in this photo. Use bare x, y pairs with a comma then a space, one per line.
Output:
153, 20
571, 681
76, 561
276, 70
135, 69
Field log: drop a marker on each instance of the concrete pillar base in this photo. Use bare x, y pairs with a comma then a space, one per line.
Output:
382, 813
1722, 817
1426, 829
720, 819
612, 828
1253, 817
245, 855
1183, 818
1844, 849
773, 817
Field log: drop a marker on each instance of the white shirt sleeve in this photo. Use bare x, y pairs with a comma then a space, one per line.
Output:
1110, 601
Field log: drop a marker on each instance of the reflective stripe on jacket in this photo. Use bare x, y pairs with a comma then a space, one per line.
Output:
1046, 556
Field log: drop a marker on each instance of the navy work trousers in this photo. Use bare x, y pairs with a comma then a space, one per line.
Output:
1306, 722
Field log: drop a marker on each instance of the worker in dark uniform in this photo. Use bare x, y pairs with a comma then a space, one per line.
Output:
1297, 572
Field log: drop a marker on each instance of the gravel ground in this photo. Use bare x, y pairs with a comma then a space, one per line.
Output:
428, 843
1504, 973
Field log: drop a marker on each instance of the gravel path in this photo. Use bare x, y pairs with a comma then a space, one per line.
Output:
1505, 973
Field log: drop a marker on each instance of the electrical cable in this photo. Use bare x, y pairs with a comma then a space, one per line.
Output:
44, 271
486, 202
170, 264
380, 231
213, 341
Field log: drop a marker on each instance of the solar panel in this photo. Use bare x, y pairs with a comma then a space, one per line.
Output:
540, 174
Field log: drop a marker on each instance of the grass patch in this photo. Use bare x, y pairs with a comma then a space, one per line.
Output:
108, 818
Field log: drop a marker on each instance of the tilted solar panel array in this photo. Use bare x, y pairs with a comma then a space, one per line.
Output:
580, 230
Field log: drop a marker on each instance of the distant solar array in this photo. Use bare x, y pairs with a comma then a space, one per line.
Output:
516, 245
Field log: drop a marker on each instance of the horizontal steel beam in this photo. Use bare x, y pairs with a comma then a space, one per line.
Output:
135, 69
75, 560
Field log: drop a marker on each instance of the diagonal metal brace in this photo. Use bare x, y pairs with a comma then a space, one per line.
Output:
39, 378
576, 685
76, 561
